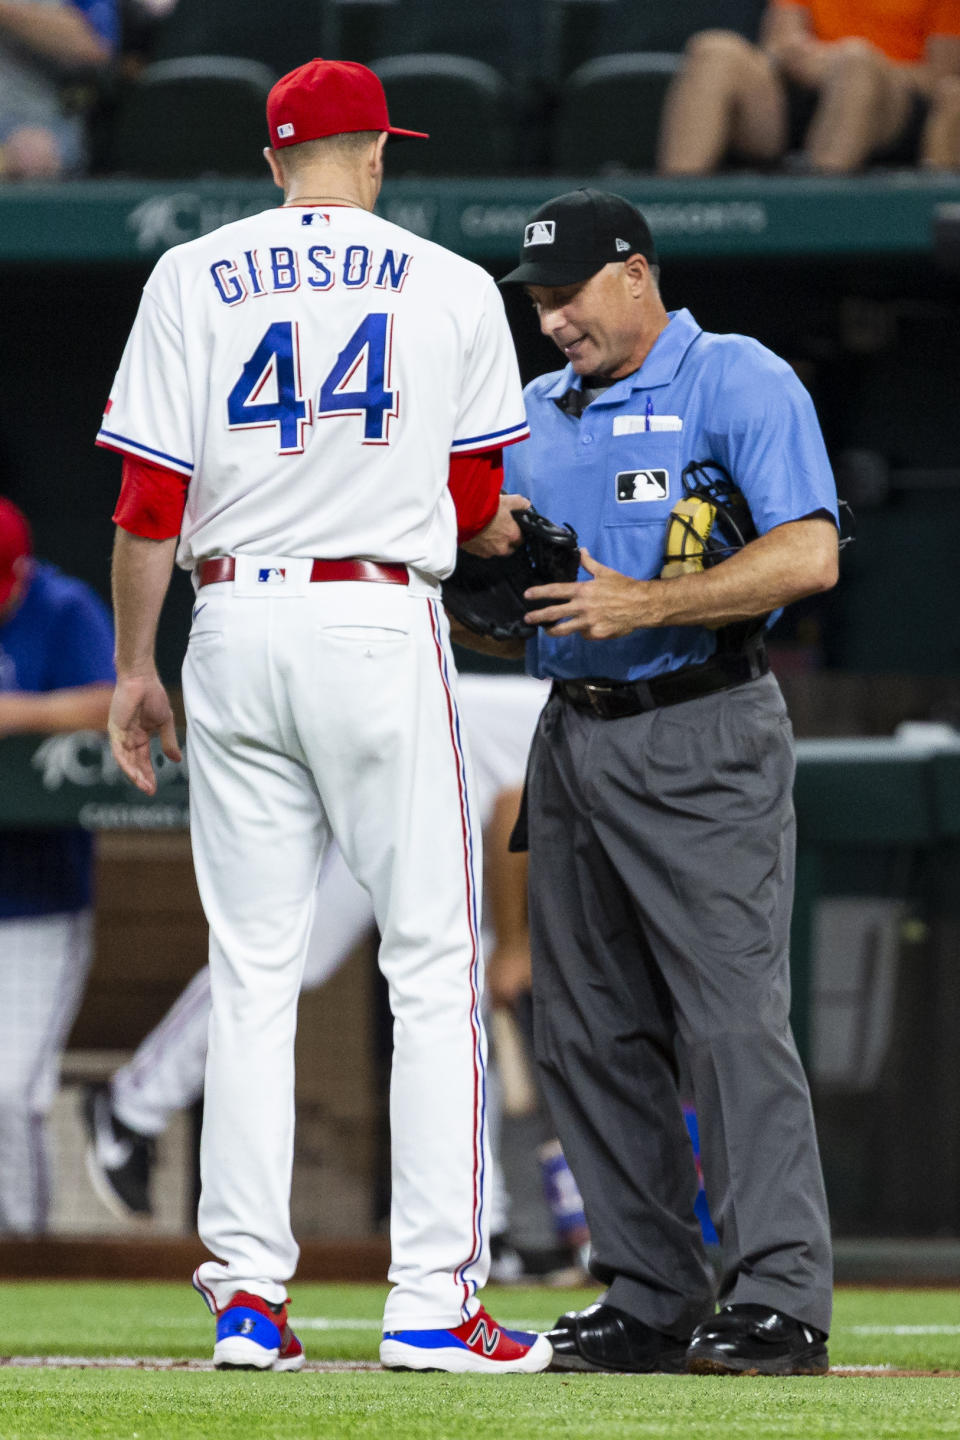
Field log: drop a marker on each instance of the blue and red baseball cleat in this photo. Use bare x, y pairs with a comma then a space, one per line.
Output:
252, 1334
479, 1346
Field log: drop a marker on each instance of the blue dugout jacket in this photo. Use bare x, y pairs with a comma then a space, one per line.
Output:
61, 636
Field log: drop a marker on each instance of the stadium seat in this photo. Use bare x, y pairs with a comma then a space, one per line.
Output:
203, 115
504, 34
464, 105
580, 30
281, 34
608, 114
360, 30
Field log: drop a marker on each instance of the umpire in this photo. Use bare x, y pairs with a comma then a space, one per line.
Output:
660, 813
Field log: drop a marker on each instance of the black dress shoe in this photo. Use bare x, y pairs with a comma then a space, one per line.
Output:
604, 1338
755, 1340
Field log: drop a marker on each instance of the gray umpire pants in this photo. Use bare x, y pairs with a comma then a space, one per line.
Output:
661, 885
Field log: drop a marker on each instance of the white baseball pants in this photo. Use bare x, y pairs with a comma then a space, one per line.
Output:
330, 709
43, 968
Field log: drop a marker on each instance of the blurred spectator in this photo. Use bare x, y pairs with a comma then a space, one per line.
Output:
56, 674
848, 80
44, 45
139, 20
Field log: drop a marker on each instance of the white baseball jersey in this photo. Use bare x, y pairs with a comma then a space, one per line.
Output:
311, 370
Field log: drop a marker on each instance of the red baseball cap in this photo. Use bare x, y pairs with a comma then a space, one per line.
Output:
329, 97
15, 542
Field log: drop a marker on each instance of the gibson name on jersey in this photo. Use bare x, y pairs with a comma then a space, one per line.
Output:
285, 268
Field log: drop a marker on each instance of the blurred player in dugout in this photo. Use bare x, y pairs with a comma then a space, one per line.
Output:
537, 1222
56, 674
49, 50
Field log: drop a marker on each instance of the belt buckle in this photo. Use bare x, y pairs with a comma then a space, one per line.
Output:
596, 694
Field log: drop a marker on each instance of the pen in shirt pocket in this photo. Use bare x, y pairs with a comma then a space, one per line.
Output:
647, 413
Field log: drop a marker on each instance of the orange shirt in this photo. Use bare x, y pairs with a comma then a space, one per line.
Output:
899, 28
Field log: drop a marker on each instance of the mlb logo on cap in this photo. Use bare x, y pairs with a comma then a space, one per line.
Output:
284, 131
540, 232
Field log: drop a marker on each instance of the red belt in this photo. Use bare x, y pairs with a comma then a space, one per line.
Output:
224, 567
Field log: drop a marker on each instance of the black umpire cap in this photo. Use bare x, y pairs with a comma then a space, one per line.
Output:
575, 235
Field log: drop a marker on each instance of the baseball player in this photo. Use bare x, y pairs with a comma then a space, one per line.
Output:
56, 674
316, 402
166, 1072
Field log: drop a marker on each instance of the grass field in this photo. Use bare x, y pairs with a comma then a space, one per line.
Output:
886, 1330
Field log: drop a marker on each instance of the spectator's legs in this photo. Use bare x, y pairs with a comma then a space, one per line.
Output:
726, 96
940, 143
865, 102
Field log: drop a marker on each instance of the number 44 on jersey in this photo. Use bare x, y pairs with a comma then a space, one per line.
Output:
274, 370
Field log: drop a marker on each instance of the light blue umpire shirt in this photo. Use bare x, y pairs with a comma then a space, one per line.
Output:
614, 474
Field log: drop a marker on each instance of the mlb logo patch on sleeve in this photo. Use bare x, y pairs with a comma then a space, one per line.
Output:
633, 485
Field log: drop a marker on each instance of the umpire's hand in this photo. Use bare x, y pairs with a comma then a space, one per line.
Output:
606, 606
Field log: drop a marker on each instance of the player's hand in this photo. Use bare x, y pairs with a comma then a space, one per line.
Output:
503, 534
603, 608
140, 709
508, 974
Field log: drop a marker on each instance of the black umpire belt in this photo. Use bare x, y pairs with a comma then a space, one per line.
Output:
614, 699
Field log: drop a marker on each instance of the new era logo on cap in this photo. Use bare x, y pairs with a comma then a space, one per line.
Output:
284, 131
622, 244
540, 232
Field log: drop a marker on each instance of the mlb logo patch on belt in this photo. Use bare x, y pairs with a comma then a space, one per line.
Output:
639, 485
271, 575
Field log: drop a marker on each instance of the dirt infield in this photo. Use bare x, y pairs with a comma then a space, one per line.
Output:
335, 1367
130, 1362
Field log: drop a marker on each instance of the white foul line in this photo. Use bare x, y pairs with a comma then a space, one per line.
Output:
901, 1329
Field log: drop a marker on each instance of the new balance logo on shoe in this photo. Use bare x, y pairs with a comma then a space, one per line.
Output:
487, 1334
478, 1346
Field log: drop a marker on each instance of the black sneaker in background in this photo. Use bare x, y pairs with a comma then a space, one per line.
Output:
556, 1267
119, 1160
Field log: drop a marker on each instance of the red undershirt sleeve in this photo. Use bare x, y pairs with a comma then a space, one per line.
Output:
152, 500
475, 482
